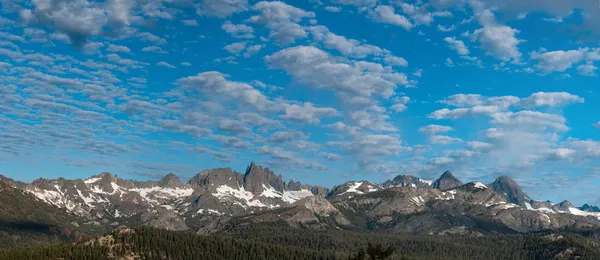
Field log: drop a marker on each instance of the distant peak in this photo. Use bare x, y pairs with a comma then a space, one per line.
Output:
447, 181
170, 181
504, 179
447, 174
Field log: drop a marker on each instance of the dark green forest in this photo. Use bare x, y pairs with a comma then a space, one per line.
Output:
277, 241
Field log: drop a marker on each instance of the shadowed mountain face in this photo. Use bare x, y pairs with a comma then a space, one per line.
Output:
25, 217
218, 198
447, 181
510, 190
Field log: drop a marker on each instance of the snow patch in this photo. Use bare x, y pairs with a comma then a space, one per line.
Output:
293, 196
354, 188
480, 185
578, 212
91, 180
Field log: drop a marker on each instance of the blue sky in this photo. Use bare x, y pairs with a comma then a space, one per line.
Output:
320, 91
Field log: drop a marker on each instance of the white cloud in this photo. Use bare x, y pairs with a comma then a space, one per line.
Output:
435, 129
282, 20
557, 60
286, 136
587, 70
463, 112
385, 14
551, 99
148, 37
254, 49
118, 48
369, 148
442, 139
235, 48
558, 154
330, 156
333, 9
597, 125
165, 64
315, 68
238, 30
398, 108
531, 119
497, 40
220, 8
441, 161
395, 61
306, 113
154, 49
457, 45
216, 84
479, 146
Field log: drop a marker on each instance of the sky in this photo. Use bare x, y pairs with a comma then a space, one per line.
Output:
320, 91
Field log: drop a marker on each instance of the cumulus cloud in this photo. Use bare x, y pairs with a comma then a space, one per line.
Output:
282, 20
80, 19
221, 8
348, 47
386, 14
238, 30
118, 48
533, 119
306, 113
369, 148
558, 61
165, 64
479, 146
435, 129
316, 68
442, 139
551, 99
497, 40
217, 85
463, 112
457, 45
235, 48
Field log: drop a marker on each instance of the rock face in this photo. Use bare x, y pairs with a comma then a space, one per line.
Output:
406, 181
511, 191
170, 203
447, 181
218, 198
589, 208
352, 188
171, 181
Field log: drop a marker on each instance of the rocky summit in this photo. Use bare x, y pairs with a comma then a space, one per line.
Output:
447, 181
216, 199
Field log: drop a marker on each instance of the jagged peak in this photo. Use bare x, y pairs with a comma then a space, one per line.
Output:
447, 181
170, 181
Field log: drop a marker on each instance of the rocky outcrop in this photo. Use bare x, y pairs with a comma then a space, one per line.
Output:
351, 189
510, 190
405, 181
447, 181
171, 181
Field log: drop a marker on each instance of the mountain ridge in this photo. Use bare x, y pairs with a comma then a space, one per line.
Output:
215, 198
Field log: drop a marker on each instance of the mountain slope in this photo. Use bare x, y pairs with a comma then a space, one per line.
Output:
446, 181
510, 190
26, 220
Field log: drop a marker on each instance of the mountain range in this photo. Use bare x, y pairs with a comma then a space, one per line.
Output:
217, 199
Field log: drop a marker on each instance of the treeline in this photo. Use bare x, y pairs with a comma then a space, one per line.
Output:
409, 246
150, 243
279, 241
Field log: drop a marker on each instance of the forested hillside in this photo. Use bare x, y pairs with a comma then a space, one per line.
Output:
275, 241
